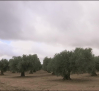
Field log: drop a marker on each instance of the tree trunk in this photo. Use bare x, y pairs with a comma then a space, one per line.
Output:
53, 73
22, 74
48, 71
67, 76
13, 71
31, 72
34, 70
93, 73
2, 72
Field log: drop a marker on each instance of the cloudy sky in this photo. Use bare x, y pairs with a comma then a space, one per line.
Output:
47, 27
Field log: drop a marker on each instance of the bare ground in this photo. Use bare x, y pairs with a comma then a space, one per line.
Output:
42, 80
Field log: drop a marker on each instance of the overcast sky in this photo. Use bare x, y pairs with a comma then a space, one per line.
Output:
47, 27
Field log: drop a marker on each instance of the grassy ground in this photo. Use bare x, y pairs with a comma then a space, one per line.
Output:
42, 80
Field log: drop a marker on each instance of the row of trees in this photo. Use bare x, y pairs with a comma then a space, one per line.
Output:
21, 64
77, 61
62, 64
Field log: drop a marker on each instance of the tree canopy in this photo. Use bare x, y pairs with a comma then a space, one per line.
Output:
77, 61
3, 66
46, 61
24, 63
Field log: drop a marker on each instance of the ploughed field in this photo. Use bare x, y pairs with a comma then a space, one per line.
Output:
41, 80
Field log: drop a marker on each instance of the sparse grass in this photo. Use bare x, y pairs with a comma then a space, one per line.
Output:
42, 80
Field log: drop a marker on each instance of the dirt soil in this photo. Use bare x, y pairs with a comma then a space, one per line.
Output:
42, 80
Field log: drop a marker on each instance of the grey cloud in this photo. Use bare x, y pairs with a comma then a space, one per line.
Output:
71, 23
64, 16
9, 22
13, 19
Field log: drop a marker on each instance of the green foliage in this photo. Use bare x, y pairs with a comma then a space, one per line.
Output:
96, 59
24, 63
46, 61
78, 61
3, 65
83, 59
13, 63
94, 66
62, 64
49, 66
35, 64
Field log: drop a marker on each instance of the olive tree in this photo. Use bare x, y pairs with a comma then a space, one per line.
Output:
62, 64
24, 63
13, 62
46, 61
95, 66
96, 59
35, 64
76, 61
19, 64
83, 59
3, 66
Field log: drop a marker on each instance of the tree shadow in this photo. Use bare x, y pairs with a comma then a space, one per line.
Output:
32, 76
4, 75
73, 80
23, 77
89, 75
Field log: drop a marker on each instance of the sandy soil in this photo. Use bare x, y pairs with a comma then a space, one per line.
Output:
42, 80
